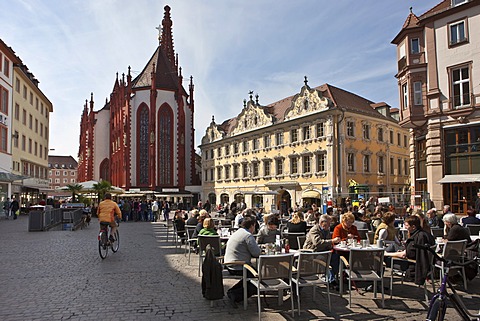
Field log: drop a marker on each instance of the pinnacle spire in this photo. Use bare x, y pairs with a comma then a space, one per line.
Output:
166, 38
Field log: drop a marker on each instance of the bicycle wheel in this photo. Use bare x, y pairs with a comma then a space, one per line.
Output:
459, 306
437, 309
103, 245
116, 244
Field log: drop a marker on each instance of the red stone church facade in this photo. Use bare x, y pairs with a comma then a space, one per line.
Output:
143, 137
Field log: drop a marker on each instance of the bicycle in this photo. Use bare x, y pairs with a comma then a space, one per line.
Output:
438, 304
104, 242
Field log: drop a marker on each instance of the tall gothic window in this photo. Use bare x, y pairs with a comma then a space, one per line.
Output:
143, 165
165, 146
105, 170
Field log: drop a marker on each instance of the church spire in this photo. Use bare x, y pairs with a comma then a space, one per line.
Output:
166, 38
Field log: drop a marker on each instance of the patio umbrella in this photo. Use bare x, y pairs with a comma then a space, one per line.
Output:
88, 187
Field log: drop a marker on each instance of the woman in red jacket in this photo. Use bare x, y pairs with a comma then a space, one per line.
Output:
346, 230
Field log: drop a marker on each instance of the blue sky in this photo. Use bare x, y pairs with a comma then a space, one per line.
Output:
230, 47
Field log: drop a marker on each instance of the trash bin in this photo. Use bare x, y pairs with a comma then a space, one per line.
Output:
35, 221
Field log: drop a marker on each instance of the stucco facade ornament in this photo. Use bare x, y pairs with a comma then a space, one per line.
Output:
308, 101
212, 134
252, 117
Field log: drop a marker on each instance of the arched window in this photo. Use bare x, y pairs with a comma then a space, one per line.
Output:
105, 170
165, 146
142, 143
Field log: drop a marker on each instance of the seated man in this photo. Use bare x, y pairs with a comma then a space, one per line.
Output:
269, 231
470, 218
417, 271
241, 246
432, 218
455, 232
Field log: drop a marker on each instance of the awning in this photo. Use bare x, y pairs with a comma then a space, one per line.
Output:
286, 184
259, 192
460, 178
173, 195
311, 194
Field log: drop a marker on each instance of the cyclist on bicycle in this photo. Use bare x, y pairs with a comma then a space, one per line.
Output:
107, 210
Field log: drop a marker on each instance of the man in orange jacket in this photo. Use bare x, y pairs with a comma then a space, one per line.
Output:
107, 210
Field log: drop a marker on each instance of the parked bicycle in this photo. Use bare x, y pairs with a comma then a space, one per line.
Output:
86, 218
438, 304
104, 242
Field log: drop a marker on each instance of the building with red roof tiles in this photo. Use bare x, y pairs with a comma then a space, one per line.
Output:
320, 146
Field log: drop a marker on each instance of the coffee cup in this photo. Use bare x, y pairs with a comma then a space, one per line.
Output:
364, 243
343, 243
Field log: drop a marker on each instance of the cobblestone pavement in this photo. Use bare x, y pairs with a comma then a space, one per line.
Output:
58, 275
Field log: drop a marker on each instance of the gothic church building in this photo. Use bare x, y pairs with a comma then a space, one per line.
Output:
143, 137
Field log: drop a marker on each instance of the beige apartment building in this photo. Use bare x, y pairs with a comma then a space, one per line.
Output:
30, 126
320, 146
62, 171
438, 76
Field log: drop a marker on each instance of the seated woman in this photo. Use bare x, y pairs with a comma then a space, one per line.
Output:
416, 235
387, 232
208, 227
455, 232
346, 230
179, 224
268, 232
297, 224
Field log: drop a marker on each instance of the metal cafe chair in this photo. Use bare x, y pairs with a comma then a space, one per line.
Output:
293, 239
474, 229
312, 270
455, 251
274, 274
362, 265
191, 242
203, 241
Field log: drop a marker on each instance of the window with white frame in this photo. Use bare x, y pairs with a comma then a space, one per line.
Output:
306, 132
256, 144
245, 146
227, 150
278, 139
351, 128
321, 160
405, 141
266, 141
294, 165
350, 162
320, 129
306, 160
235, 148
381, 165
366, 131
219, 173
219, 151
235, 170
415, 46
72, 180
417, 93
391, 136
255, 169
57, 180
404, 96
293, 135
461, 87
244, 170
279, 166
212, 173
457, 32
399, 166
392, 166
405, 167
458, 2
266, 167
227, 171
380, 134
211, 154
366, 163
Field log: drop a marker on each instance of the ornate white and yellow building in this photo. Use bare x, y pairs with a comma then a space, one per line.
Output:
320, 145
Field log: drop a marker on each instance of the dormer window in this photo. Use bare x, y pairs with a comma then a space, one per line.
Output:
458, 2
